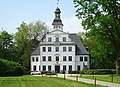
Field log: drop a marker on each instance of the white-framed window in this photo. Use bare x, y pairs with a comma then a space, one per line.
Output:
70, 67
64, 49
64, 67
57, 39
49, 49
34, 68
85, 58
56, 49
36, 59
49, 67
49, 39
44, 58
49, 58
81, 58
64, 58
57, 58
70, 58
44, 68
64, 39
33, 59
69, 48
44, 49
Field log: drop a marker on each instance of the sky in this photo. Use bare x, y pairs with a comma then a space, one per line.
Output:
14, 12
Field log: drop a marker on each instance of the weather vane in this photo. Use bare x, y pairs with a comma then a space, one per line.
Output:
57, 2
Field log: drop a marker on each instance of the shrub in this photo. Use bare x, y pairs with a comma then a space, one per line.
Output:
10, 68
98, 71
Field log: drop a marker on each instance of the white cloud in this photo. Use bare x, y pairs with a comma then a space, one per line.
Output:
71, 25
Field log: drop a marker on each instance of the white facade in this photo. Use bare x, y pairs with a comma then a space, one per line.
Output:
57, 51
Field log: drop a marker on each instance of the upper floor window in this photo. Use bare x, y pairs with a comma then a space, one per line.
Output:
64, 49
56, 49
36, 59
81, 58
44, 58
64, 58
33, 59
49, 39
85, 58
44, 49
64, 39
57, 39
49, 58
70, 58
49, 49
69, 48
57, 58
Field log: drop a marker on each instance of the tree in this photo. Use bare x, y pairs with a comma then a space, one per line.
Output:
7, 47
27, 38
101, 18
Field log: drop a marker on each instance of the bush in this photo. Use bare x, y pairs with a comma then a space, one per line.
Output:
98, 71
10, 68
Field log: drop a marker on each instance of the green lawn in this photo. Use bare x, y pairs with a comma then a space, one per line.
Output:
35, 81
107, 78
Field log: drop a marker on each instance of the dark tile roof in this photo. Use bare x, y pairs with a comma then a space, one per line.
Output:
36, 51
80, 49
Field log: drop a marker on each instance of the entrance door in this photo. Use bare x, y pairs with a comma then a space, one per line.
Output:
57, 69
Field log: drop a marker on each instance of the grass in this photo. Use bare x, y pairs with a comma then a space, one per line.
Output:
35, 81
106, 78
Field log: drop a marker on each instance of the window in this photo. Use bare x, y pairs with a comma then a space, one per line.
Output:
49, 49
44, 49
34, 68
33, 59
36, 59
57, 58
64, 39
81, 58
39, 68
69, 48
44, 68
85, 59
57, 39
56, 49
70, 58
44, 58
64, 49
49, 68
64, 58
49, 39
78, 67
64, 67
49, 58
70, 67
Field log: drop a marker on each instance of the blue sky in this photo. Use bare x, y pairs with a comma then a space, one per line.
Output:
13, 12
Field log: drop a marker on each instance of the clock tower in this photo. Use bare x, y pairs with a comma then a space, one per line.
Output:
57, 22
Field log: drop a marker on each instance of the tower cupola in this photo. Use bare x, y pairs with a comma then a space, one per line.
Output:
57, 22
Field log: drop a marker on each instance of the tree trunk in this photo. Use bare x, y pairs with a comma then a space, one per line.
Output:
118, 64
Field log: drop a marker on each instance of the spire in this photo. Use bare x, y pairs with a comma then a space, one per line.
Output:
57, 22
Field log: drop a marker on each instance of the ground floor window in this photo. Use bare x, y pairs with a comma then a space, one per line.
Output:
44, 68
39, 68
64, 67
70, 67
78, 67
34, 68
49, 68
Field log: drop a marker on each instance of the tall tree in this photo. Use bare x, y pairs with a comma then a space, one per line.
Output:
7, 47
101, 18
27, 38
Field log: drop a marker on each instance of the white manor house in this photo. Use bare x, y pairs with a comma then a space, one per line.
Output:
59, 51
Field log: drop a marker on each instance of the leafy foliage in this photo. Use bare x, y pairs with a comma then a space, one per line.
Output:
101, 19
10, 68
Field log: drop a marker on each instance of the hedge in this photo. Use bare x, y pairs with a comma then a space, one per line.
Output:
10, 68
98, 71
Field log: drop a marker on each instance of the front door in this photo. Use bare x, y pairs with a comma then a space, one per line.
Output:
57, 69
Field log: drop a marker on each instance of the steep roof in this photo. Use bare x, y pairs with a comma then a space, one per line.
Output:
80, 49
36, 51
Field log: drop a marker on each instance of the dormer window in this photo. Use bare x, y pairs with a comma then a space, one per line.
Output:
49, 39
57, 39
